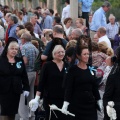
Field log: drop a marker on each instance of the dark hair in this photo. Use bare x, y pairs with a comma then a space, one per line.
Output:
119, 31
80, 47
70, 52
95, 46
67, 1
37, 14
37, 8
87, 40
51, 11
29, 27
21, 27
67, 19
10, 39
57, 19
14, 18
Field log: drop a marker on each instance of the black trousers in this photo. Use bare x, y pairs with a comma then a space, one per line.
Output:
85, 15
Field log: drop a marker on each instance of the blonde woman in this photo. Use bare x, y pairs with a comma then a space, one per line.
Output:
50, 85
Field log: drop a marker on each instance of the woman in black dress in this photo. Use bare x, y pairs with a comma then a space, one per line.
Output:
81, 90
13, 80
50, 85
112, 88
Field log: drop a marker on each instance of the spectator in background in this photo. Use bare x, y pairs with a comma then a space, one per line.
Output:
58, 39
99, 18
95, 38
86, 7
13, 22
112, 28
56, 21
47, 24
6, 19
116, 40
29, 53
20, 17
18, 28
33, 20
68, 26
39, 15
51, 13
76, 33
80, 24
25, 15
102, 36
66, 11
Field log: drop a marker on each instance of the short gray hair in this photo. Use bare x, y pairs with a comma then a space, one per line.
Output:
26, 36
14, 18
102, 30
58, 29
8, 14
106, 4
78, 32
111, 16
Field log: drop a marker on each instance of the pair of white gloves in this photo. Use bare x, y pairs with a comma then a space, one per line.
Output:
111, 111
65, 106
34, 103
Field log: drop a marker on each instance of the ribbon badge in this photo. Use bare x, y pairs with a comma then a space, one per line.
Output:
92, 69
18, 64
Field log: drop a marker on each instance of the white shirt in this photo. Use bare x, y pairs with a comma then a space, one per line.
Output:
68, 30
65, 13
105, 38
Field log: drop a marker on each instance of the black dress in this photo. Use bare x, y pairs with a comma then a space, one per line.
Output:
13, 80
50, 85
112, 93
82, 94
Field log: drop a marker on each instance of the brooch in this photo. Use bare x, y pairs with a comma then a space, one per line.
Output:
18, 64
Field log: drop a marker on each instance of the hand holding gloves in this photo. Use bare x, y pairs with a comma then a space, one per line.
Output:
34, 103
65, 107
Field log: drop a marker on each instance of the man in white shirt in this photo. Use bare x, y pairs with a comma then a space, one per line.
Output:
66, 11
102, 36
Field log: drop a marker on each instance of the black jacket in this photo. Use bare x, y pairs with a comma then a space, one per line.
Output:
13, 76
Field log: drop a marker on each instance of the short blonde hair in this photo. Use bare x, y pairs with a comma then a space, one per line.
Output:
56, 48
20, 32
13, 44
103, 47
80, 20
71, 43
110, 52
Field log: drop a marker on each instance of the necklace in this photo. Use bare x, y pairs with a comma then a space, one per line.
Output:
11, 63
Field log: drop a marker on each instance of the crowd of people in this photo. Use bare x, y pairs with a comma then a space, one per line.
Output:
47, 60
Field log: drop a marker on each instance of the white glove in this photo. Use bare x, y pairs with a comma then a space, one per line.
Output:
26, 93
111, 111
34, 103
65, 107
100, 104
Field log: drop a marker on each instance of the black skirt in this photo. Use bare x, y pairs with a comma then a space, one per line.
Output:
9, 103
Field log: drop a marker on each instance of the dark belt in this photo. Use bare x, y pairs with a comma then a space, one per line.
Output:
93, 30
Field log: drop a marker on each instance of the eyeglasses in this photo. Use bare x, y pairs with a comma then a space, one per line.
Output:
60, 52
